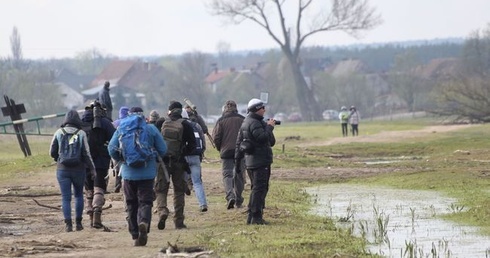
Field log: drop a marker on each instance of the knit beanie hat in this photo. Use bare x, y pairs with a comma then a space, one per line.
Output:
154, 116
175, 107
230, 106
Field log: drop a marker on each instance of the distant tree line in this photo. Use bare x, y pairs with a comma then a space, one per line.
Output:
463, 94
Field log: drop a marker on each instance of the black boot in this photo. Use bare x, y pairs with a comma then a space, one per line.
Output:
79, 224
68, 225
98, 219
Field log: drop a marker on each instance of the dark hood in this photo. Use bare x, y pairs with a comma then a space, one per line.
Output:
88, 115
73, 119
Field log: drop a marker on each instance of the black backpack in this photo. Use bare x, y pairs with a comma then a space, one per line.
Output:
70, 149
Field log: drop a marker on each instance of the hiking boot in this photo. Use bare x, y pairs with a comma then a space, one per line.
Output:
187, 190
98, 219
258, 221
204, 208
180, 225
143, 237
68, 225
230, 204
161, 221
79, 225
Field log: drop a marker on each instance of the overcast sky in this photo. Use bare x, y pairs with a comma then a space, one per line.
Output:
63, 28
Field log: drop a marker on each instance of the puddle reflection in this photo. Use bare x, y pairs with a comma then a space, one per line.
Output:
398, 221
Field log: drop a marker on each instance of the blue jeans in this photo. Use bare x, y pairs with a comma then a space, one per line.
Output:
66, 179
194, 162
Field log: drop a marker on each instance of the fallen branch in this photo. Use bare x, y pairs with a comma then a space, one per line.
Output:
58, 208
46, 206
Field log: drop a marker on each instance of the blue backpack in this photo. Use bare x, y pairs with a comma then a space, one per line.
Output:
70, 149
134, 144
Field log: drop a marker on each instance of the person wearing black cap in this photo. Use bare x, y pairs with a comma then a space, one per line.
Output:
138, 181
259, 136
224, 136
181, 142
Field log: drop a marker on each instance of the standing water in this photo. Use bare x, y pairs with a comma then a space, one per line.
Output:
400, 223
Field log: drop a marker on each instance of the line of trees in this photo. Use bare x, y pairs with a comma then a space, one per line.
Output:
462, 93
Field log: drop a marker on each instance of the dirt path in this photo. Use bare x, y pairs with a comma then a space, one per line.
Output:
390, 136
27, 229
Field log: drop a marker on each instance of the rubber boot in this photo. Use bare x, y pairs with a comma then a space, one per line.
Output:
79, 225
98, 219
68, 225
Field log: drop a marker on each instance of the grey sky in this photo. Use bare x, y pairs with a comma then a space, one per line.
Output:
62, 28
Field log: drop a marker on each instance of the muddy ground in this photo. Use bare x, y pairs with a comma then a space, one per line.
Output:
29, 229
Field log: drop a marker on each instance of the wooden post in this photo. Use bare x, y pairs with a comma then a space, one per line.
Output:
14, 112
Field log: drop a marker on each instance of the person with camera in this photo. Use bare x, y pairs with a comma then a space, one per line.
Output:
254, 144
224, 136
99, 130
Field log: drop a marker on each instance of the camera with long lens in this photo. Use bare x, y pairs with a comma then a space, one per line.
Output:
276, 122
98, 113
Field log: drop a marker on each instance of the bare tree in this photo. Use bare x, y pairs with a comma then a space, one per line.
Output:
16, 47
350, 16
465, 92
192, 69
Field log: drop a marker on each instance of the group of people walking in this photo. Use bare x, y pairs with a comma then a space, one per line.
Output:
177, 144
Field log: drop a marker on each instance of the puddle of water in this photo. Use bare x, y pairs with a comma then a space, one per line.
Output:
397, 220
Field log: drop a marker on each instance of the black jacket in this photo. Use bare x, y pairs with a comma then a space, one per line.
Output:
98, 139
255, 129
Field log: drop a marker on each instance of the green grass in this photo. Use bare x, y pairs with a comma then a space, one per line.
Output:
455, 163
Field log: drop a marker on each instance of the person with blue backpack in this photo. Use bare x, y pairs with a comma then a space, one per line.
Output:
70, 149
194, 160
137, 145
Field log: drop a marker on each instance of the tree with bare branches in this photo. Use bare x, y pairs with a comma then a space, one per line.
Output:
311, 18
464, 93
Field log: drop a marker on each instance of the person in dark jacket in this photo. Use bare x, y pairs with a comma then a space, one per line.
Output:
99, 130
72, 176
224, 136
105, 99
195, 117
258, 156
176, 167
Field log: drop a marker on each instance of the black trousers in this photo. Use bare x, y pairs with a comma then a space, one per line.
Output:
260, 187
139, 196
